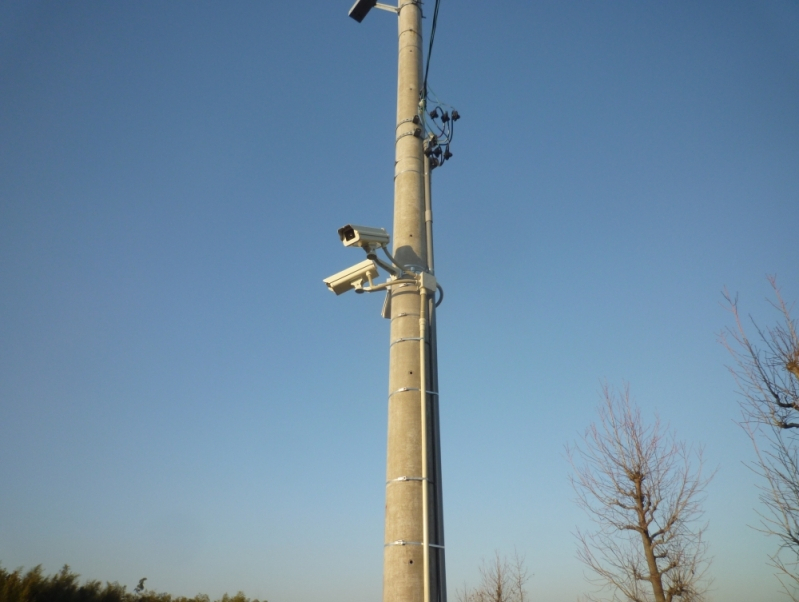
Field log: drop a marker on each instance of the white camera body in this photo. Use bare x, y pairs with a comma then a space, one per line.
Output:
353, 277
363, 236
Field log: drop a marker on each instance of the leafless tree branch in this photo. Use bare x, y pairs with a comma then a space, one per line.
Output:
501, 580
638, 485
766, 372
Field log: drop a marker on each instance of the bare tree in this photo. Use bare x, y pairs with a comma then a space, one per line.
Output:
643, 490
767, 374
501, 580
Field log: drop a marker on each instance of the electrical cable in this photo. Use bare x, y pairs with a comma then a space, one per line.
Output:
441, 297
387, 267
430, 49
401, 267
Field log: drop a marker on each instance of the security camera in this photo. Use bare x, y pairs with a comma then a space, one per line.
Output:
361, 236
352, 277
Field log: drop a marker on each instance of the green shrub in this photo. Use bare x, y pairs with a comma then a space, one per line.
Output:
64, 586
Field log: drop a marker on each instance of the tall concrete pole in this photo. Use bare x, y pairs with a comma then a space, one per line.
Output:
413, 556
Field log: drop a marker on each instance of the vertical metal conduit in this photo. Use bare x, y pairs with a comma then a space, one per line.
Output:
434, 429
423, 403
428, 215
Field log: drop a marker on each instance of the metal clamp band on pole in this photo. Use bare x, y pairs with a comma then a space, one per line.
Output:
405, 315
408, 159
405, 542
409, 3
414, 120
406, 171
401, 390
403, 479
406, 389
404, 339
417, 132
410, 30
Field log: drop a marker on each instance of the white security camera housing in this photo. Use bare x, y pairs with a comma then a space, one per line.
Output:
362, 236
352, 277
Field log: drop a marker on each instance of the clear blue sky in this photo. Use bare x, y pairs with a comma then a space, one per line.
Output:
182, 399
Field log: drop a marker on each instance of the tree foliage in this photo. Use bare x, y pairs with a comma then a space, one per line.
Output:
64, 586
643, 490
766, 370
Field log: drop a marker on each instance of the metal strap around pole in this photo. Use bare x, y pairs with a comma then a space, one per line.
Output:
404, 339
414, 120
403, 479
403, 542
406, 389
417, 133
406, 171
405, 315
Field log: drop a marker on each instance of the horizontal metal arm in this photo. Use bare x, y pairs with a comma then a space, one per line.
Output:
385, 285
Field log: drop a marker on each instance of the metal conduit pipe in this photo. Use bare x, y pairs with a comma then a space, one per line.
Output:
428, 215
385, 285
435, 434
423, 402
434, 427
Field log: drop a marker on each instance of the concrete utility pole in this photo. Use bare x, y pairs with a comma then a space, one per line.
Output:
413, 569
413, 566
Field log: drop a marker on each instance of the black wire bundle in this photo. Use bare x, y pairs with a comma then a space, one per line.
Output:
430, 49
440, 124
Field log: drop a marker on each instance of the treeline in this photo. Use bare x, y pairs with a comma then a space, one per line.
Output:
64, 586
